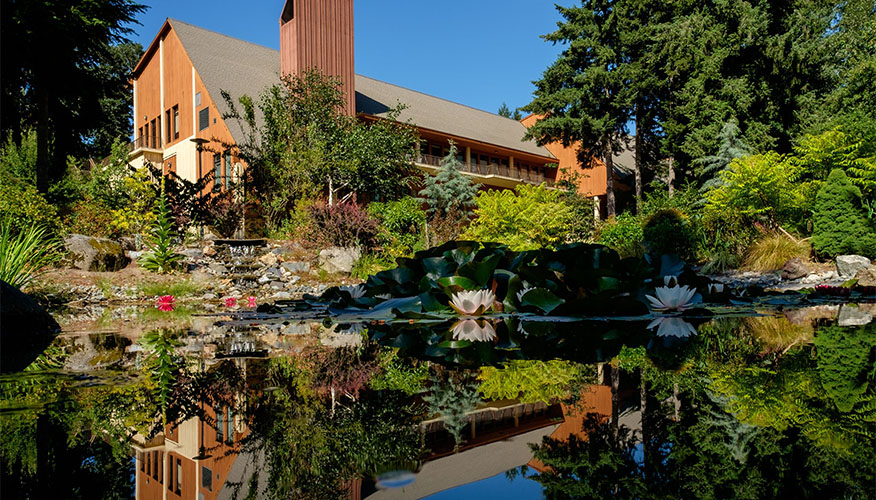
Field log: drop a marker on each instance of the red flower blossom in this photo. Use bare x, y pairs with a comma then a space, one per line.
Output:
230, 302
250, 302
165, 303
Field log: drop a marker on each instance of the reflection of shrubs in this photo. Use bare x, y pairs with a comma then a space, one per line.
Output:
530, 381
668, 231
624, 235
342, 225
771, 252
840, 225
401, 223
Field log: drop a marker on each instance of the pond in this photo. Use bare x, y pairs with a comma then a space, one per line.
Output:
763, 403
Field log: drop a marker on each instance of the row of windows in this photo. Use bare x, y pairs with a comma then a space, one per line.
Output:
477, 159
224, 425
151, 464
149, 135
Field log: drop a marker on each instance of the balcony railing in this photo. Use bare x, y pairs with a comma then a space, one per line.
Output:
140, 143
520, 174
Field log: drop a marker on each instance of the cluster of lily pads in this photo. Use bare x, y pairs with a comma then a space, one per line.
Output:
474, 280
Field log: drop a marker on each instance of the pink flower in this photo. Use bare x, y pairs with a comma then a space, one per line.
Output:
165, 303
230, 302
250, 302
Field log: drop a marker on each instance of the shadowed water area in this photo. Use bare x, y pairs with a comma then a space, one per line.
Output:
356, 395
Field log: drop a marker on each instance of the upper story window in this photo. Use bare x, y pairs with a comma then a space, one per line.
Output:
176, 122
203, 118
198, 99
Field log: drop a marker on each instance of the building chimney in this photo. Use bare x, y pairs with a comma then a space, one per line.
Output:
319, 34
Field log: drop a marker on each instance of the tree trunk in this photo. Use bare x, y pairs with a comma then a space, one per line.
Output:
637, 167
670, 178
43, 159
609, 179
615, 383
331, 190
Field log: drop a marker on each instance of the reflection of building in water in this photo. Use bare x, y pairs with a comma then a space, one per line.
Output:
189, 459
499, 436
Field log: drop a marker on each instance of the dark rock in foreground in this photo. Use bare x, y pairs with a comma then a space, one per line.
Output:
26, 329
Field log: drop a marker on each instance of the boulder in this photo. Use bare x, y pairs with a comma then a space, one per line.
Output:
89, 253
27, 329
795, 268
193, 253
209, 251
268, 259
339, 260
296, 267
866, 276
848, 265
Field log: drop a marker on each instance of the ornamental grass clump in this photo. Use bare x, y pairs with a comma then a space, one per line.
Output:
162, 258
771, 252
24, 253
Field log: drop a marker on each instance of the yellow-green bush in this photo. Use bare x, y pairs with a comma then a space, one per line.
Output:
23, 206
623, 234
524, 219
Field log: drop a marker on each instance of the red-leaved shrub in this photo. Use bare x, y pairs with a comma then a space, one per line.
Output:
342, 225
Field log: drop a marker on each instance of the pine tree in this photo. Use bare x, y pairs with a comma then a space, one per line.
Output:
731, 147
840, 225
504, 111
449, 189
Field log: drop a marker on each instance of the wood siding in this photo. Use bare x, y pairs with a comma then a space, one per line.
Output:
320, 35
592, 180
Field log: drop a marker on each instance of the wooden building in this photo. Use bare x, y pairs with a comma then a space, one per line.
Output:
177, 100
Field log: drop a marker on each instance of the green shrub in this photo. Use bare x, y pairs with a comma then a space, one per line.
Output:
18, 163
161, 258
721, 260
89, 216
23, 206
668, 231
401, 224
623, 234
527, 218
771, 252
840, 224
23, 253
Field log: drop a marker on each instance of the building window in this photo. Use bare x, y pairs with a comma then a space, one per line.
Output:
220, 425
217, 172
154, 134
435, 150
203, 118
227, 174
146, 135
206, 478
170, 481
229, 426
178, 476
198, 99
168, 133
141, 456
139, 140
176, 122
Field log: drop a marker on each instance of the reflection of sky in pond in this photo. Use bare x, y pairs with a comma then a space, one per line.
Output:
498, 486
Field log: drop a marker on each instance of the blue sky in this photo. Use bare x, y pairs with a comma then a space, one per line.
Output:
477, 52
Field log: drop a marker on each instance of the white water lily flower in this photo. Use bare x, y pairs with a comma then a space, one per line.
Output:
474, 331
677, 298
670, 280
472, 302
383, 296
672, 327
716, 288
355, 291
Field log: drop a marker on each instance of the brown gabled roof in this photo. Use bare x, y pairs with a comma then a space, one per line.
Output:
374, 97
240, 67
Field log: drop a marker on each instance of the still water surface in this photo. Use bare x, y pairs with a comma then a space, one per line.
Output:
248, 405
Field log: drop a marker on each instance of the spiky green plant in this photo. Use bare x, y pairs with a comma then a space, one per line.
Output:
162, 259
24, 253
162, 363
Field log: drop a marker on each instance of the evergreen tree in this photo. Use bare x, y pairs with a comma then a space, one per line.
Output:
840, 225
579, 95
731, 147
66, 67
504, 111
449, 189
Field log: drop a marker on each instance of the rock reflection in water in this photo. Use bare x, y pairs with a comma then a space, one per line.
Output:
779, 405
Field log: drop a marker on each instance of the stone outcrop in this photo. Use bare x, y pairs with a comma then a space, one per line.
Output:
339, 260
848, 265
866, 276
89, 253
794, 268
